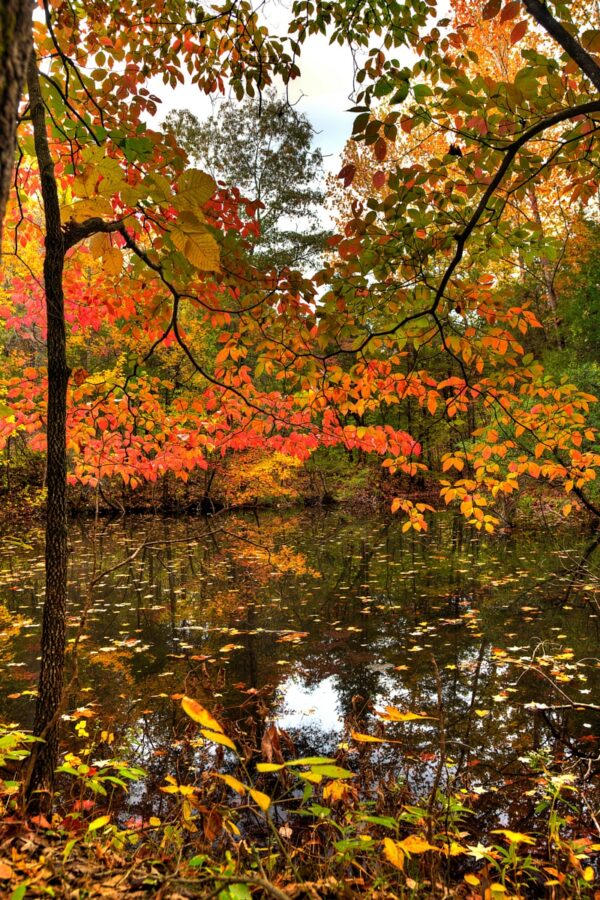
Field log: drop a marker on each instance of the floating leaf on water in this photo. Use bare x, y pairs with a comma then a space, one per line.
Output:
396, 715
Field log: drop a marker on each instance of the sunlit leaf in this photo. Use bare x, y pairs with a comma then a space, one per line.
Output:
415, 845
218, 738
396, 715
262, 800
514, 837
199, 714
393, 852
232, 782
100, 822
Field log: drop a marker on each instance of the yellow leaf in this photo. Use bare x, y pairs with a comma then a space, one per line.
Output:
81, 210
454, 849
567, 509
482, 713
591, 41
99, 245
113, 261
514, 837
336, 790
232, 782
198, 246
269, 767
218, 738
588, 873
397, 716
415, 844
199, 714
472, 880
393, 853
260, 799
194, 189
367, 738
100, 822
315, 777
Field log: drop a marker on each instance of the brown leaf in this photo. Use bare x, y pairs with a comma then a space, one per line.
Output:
212, 824
270, 745
518, 32
511, 10
491, 9
380, 149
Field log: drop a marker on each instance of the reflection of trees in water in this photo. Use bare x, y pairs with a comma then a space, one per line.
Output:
372, 577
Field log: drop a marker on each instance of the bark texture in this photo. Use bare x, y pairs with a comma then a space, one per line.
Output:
50, 687
15, 43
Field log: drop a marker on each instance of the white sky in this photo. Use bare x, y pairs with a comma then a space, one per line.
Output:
322, 90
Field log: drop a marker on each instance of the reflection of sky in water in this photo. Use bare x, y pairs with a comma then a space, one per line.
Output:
316, 708
318, 653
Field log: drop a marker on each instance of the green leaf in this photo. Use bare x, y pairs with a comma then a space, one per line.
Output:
236, 892
421, 91
311, 761
333, 772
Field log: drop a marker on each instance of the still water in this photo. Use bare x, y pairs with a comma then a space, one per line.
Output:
312, 620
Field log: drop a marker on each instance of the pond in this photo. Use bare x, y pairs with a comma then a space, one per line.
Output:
313, 620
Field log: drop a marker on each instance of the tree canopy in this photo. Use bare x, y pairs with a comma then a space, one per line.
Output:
263, 148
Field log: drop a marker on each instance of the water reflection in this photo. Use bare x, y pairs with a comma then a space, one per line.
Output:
313, 621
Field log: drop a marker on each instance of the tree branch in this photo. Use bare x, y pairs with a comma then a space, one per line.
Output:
74, 232
542, 15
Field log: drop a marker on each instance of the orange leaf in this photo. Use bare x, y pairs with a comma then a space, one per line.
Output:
397, 716
5, 871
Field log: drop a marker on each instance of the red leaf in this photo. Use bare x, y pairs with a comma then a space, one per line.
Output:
510, 11
518, 32
379, 179
380, 149
347, 174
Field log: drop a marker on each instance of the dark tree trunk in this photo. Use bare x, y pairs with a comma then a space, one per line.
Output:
15, 43
50, 686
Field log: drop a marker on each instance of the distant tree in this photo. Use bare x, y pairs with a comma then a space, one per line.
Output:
264, 149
